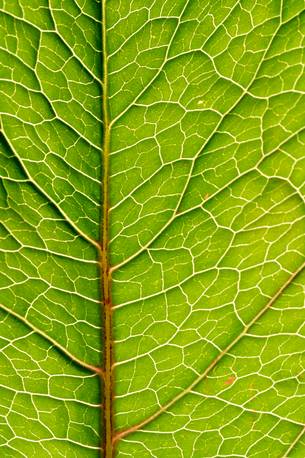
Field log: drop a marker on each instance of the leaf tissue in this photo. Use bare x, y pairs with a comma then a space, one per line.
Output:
152, 228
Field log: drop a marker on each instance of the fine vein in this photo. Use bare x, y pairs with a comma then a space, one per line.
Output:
55, 344
211, 366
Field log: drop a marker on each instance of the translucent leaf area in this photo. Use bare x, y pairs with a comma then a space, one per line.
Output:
197, 107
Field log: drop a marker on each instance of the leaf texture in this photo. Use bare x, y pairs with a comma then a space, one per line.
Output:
152, 220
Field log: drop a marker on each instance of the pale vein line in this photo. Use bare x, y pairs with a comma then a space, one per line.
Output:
294, 443
48, 395
52, 341
211, 366
34, 183
56, 32
120, 115
175, 213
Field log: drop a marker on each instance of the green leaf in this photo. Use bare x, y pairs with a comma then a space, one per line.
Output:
152, 228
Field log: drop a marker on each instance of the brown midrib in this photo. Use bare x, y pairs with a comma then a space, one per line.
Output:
106, 300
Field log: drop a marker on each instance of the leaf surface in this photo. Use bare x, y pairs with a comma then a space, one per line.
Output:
152, 219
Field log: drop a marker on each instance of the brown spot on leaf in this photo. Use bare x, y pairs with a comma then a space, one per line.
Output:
230, 380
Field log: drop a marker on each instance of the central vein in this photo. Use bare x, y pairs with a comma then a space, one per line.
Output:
107, 451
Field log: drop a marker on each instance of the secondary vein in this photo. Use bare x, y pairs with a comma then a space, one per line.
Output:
55, 344
123, 433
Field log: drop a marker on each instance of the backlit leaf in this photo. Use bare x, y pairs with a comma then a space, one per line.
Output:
152, 161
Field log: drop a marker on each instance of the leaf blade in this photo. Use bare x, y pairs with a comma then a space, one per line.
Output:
201, 123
